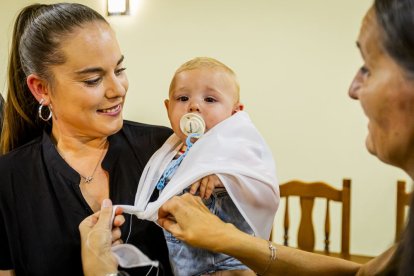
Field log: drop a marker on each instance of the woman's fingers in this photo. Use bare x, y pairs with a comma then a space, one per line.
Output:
203, 186
116, 234
118, 220
194, 187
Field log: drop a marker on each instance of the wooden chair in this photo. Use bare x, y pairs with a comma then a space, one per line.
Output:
403, 200
307, 192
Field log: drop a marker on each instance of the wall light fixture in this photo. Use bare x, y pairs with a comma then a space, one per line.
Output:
117, 7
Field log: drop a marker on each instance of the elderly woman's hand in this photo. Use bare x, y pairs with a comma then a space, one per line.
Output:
189, 220
97, 237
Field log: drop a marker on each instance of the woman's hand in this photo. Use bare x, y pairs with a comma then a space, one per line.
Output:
97, 237
189, 220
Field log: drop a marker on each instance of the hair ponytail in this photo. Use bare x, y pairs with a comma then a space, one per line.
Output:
19, 125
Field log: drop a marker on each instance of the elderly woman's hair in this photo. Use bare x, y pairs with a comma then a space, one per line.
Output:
36, 45
396, 21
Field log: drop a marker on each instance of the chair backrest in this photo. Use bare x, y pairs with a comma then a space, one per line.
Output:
307, 192
403, 200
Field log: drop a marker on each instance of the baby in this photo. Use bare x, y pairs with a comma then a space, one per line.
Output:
208, 88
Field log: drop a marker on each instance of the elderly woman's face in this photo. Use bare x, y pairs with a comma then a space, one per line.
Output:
387, 98
89, 89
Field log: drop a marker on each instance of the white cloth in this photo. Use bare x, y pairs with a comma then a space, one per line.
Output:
234, 151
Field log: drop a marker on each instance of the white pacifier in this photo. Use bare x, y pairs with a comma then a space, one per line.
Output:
192, 123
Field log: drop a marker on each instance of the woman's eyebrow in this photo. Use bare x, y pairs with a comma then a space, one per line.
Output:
97, 69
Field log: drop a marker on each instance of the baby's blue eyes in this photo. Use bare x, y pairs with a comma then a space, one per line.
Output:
207, 99
182, 98
210, 100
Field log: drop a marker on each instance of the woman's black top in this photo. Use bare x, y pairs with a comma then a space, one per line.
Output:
41, 204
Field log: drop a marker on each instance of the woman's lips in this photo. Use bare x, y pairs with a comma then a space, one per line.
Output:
115, 110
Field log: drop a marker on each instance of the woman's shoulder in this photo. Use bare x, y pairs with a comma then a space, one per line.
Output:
141, 139
141, 131
22, 154
18, 162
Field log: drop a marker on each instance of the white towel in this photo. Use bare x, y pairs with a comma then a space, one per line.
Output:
233, 150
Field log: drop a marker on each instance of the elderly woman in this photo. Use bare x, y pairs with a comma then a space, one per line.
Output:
65, 145
385, 88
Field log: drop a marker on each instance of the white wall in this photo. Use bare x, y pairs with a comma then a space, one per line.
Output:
295, 60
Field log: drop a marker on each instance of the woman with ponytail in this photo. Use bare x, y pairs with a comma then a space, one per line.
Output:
65, 146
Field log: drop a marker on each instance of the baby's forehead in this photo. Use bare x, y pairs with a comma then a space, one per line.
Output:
209, 74
205, 70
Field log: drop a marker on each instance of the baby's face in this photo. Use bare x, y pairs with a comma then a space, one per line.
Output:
209, 92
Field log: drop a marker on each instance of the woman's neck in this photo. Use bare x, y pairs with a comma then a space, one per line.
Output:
78, 145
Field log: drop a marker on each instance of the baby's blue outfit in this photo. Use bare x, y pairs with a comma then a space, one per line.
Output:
187, 260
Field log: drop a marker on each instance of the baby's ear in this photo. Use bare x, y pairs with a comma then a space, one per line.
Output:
238, 107
167, 104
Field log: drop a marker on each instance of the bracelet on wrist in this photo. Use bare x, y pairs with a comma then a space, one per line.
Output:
272, 256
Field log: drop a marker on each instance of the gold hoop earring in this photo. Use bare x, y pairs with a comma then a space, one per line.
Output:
40, 111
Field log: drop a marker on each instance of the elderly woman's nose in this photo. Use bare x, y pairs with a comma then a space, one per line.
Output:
355, 86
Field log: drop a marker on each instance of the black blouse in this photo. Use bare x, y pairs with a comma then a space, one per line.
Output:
41, 204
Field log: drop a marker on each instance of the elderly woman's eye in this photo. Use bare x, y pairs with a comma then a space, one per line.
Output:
364, 70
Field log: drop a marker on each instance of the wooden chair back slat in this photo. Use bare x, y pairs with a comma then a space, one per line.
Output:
327, 226
307, 192
306, 233
403, 200
286, 224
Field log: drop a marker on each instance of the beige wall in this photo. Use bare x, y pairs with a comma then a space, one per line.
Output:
295, 60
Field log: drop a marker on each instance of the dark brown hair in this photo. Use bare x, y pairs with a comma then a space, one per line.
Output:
396, 21
37, 34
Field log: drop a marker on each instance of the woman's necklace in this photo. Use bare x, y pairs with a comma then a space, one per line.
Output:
89, 179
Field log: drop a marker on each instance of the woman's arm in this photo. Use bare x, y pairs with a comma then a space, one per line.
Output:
189, 220
255, 253
378, 264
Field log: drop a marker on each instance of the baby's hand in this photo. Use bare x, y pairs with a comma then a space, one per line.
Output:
206, 186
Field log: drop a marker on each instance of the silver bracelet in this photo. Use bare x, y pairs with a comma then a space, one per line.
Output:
272, 256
